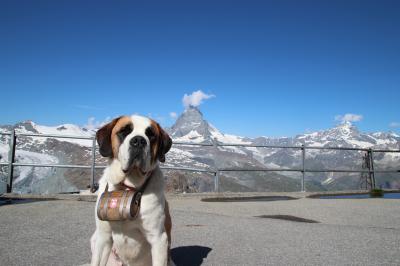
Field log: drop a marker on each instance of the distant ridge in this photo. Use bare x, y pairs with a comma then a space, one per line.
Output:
191, 126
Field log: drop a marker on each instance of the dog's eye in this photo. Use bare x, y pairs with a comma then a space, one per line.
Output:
125, 131
150, 133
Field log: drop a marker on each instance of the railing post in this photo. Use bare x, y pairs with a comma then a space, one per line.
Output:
11, 159
216, 181
93, 169
303, 153
216, 178
372, 170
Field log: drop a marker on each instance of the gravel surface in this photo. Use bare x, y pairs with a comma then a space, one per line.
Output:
347, 231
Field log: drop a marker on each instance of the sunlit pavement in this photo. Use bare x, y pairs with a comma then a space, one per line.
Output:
296, 232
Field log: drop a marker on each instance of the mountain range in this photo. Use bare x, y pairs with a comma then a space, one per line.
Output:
192, 127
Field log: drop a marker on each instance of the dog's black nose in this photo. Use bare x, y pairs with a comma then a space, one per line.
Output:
138, 142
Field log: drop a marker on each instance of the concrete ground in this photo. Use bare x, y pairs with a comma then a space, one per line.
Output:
344, 232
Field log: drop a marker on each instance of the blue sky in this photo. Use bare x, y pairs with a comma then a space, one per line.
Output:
276, 68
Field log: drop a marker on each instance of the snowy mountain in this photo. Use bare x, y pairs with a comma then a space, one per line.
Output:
46, 150
192, 127
348, 135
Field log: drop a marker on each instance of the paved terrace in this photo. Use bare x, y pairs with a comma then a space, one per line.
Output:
347, 231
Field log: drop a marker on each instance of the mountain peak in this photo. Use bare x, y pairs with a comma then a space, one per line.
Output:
346, 124
346, 128
27, 126
190, 115
193, 110
190, 122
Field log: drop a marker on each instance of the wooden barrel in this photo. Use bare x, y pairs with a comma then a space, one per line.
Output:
118, 205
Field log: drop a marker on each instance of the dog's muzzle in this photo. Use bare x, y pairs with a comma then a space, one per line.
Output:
137, 147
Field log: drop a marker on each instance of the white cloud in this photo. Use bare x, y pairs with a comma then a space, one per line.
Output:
348, 118
195, 99
173, 115
94, 124
394, 124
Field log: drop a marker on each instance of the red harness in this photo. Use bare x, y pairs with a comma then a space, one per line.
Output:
142, 188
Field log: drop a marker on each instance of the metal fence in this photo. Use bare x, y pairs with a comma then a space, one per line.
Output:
215, 171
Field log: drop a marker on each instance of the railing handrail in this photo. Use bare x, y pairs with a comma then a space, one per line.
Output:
49, 135
54, 136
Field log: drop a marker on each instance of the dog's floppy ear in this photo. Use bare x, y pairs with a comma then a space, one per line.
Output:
103, 136
164, 145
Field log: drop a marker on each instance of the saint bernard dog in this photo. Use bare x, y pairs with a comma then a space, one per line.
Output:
134, 145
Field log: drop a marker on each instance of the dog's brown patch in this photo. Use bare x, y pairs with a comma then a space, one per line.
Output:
155, 142
103, 137
115, 142
163, 142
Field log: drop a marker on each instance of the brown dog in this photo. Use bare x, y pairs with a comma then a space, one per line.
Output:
134, 145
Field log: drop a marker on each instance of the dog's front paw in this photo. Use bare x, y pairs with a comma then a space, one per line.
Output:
114, 259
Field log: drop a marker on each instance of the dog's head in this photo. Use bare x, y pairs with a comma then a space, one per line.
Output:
136, 143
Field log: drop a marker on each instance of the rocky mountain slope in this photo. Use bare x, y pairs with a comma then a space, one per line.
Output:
192, 127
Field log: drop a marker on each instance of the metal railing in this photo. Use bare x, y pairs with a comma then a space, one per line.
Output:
215, 171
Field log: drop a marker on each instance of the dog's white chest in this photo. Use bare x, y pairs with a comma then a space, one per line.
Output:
131, 246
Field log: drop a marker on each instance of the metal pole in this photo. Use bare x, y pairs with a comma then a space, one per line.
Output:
93, 170
367, 163
371, 158
303, 151
216, 179
11, 158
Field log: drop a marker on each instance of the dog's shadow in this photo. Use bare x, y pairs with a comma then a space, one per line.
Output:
189, 255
